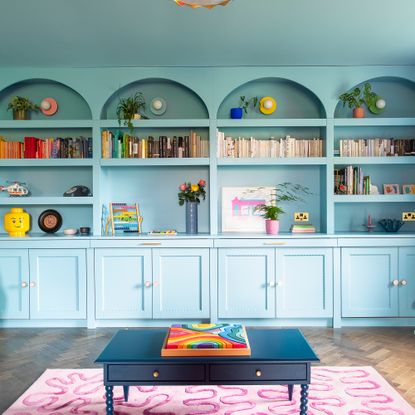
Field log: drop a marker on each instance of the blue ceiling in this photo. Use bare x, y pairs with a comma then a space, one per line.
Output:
98, 33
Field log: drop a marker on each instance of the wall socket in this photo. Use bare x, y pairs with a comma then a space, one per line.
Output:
301, 217
408, 216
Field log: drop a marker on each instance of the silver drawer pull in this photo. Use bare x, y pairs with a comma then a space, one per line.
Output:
258, 373
156, 374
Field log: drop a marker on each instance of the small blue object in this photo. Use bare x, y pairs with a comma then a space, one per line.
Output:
391, 225
236, 113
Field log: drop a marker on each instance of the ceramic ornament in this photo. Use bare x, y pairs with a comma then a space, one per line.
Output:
267, 105
380, 103
49, 106
158, 106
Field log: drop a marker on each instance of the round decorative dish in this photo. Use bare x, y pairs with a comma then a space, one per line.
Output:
50, 221
70, 231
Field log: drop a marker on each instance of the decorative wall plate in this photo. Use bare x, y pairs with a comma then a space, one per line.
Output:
50, 221
158, 106
377, 106
49, 106
267, 105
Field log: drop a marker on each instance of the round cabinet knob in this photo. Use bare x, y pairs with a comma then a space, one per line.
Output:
24, 284
272, 284
404, 282
156, 283
156, 374
395, 283
147, 284
32, 284
258, 373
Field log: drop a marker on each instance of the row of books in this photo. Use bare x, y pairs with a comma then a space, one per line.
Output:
377, 147
46, 148
241, 147
351, 181
124, 145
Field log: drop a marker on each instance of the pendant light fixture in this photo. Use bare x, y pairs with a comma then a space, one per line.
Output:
209, 4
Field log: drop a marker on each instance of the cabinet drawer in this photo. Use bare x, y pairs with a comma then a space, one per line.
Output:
155, 373
258, 372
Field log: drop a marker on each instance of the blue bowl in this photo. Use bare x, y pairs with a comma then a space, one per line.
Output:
391, 225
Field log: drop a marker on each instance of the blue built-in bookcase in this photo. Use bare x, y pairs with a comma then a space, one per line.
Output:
325, 278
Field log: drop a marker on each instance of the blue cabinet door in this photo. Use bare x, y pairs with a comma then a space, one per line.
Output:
123, 283
57, 283
407, 282
304, 280
246, 283
14, 283
181, 283
369, 282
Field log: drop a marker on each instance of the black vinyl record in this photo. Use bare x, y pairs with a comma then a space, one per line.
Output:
50, 221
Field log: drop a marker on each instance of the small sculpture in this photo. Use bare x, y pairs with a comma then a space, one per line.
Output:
17, 222
16, 189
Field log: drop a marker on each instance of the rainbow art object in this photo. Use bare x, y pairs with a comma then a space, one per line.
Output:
206, 340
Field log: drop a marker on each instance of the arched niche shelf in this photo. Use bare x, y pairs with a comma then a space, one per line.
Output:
71, 105
399, 94
181, 101
293, 99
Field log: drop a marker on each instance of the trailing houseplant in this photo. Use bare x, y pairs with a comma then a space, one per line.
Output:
244, 104
284, 192
359, 96
21, 107
127, 109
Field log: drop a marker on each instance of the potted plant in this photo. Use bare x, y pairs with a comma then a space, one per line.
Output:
129, 109
244, 103
21, 107
354, 99
285, 192
191, 193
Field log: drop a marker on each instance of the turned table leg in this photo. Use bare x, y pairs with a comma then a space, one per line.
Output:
304, 400
109, 400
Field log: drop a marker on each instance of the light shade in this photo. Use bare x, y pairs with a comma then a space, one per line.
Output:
209, 4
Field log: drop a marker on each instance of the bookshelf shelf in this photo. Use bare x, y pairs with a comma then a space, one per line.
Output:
374, 160
292, 122
267, 161
202, 161
37, 124
46, 200
373, 198
373, 122
46, 162
163, 123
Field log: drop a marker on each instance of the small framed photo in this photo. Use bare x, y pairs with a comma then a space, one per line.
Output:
391, 189
408, 189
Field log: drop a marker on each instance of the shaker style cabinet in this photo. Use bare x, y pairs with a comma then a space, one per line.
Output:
42, 284
162, 283
378, 282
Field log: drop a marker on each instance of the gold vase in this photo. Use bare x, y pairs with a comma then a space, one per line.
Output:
21, 115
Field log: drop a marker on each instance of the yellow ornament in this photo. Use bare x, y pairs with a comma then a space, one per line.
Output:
267, 105
17, 222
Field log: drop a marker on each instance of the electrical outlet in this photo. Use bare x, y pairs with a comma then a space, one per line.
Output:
301, 217
408, 216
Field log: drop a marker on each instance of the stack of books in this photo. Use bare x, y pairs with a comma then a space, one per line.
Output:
303, 228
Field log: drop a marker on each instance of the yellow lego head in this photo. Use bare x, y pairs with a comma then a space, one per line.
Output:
17, 222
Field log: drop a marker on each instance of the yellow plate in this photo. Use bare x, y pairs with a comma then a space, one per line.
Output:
267, 105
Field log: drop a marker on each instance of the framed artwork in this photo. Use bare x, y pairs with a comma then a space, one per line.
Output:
408, 189
391, 189
238, 208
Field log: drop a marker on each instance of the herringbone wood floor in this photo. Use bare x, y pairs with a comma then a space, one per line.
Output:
26, 353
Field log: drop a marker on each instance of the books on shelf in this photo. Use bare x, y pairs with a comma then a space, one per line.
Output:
46, 148
303, 228
350, 180
377, 147
123, 145
252, 147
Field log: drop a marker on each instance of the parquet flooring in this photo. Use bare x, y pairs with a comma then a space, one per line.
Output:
26, 353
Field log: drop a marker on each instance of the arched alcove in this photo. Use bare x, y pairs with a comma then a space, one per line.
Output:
293, 99
71, 105
181, 101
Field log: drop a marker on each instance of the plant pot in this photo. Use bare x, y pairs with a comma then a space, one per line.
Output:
236, 113
21, 115
358, 112
272, 227
191, 217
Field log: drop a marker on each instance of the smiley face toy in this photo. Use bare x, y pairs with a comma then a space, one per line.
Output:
17, 222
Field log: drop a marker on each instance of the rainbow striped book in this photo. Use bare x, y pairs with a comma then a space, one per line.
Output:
206, 340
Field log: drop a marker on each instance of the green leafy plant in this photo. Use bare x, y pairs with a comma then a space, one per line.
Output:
369, 96
128, 107
284, 192
192, 192
245, 103
359, 96
22, 104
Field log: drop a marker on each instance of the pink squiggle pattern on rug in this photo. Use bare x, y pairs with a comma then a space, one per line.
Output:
333, 391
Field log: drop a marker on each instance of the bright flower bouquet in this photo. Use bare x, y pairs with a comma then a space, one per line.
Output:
192, 192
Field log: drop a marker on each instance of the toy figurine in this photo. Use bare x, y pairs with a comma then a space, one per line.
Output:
16, 189
17, 222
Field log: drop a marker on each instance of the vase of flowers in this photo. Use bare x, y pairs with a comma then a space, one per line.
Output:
191, 194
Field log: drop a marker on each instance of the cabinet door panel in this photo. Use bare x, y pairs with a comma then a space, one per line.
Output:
59, 283
304, 282
123, 280
367, 275
245, 283
181, 283
14, 271
407, 274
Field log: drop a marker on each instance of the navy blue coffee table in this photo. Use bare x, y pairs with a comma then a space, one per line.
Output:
279, 357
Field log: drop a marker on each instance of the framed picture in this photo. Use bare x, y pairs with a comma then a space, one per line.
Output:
391, 189
238, 208
408, 189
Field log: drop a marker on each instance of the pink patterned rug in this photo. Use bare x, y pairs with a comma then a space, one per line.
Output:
333, 391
